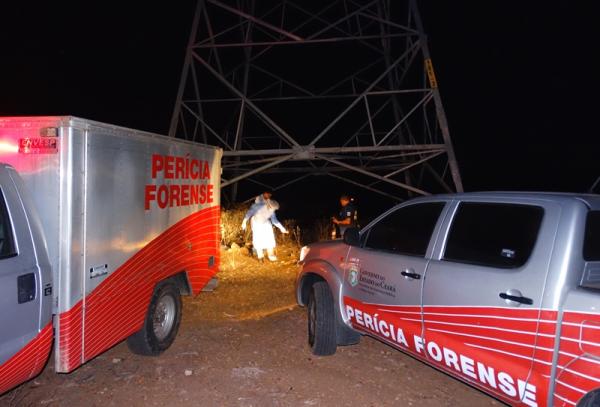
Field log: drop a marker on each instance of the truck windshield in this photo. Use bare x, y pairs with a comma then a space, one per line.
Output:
591, 244
7, 247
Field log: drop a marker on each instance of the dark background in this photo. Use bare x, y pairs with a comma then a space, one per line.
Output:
520, 84
519, 80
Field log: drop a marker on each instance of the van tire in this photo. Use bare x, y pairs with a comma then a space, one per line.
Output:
592, 399
345, 335
321, 320
161, 323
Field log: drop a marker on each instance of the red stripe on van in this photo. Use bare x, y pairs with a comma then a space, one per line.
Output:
517, 341
578, 369
117, 307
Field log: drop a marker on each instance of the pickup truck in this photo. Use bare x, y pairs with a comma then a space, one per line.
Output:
500, 290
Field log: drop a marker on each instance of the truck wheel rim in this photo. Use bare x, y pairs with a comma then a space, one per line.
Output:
312, 322
164, 316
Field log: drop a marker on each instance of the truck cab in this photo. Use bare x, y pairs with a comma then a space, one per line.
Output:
25, 283
499, 290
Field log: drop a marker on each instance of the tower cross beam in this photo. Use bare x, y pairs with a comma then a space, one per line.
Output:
291, 91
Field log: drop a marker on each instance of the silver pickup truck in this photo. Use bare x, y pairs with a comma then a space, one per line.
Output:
500, 290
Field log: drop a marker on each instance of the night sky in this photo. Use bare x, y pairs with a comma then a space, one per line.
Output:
520, 86
518, 79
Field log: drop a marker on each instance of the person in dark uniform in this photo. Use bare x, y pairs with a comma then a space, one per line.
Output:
348, 216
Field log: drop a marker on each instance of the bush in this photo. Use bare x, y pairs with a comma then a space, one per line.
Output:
231, 226
231, 229
294, 237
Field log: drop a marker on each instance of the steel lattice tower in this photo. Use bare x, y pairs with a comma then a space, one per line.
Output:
290, 90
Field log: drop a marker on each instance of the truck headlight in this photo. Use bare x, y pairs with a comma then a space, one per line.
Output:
303, 253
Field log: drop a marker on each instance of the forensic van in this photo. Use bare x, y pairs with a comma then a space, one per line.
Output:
102, 229
500, 290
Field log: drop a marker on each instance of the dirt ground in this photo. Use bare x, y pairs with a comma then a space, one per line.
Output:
245, 345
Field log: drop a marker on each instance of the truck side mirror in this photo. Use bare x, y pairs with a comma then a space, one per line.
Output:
351, 237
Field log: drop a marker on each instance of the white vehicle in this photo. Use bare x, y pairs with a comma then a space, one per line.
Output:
498, 289
102, 229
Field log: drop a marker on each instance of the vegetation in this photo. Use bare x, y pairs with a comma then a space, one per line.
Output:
232, 233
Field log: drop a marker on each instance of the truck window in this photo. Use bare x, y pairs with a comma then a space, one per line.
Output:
7, 246
493, 235
406, 230
591, 243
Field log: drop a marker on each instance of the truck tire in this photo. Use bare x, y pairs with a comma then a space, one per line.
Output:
161, 323
321, 320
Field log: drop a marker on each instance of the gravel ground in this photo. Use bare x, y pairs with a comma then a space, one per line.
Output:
245, 345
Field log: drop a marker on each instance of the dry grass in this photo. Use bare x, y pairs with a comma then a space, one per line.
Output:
231, 226
320, 230
231, 230
248, 289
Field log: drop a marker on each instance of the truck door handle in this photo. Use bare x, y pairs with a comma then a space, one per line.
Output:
410, 274
26, 288
515, 298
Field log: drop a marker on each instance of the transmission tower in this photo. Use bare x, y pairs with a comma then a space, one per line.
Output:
292, 90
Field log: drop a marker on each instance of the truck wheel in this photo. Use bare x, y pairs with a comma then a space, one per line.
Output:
321, 320
161, 323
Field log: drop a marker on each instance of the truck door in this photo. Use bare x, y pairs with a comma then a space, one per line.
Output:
482, 295
20, 291
384, 277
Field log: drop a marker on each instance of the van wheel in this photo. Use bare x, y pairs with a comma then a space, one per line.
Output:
591, 399
321, 320
161, 323
345, 335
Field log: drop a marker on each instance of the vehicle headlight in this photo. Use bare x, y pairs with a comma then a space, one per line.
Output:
303, 253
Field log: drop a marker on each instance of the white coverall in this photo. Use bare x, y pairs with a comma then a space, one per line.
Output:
262, 219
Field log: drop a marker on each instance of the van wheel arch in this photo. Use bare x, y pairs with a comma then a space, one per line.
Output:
182, 282
591, 399
161, 321
307, 282
345, 335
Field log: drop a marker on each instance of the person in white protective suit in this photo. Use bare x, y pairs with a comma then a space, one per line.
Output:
262, 219
265, 196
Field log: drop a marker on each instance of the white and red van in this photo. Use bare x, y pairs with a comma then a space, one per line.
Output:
102, 228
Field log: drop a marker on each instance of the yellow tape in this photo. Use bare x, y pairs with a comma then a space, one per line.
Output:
430, 73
